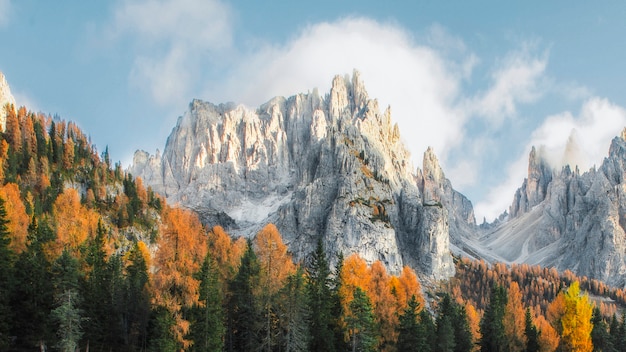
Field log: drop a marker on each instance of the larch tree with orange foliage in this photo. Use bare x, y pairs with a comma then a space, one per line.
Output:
514, 320
181, 251
16, 214
275, 266
384, 304
74, 223
548, 337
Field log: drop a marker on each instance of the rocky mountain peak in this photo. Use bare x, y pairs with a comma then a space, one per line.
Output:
5, 98
534, 187
329, 167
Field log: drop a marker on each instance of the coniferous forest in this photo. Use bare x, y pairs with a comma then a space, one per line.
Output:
91, 259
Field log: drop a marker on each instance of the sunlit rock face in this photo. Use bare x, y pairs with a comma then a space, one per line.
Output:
5, 98
326, 167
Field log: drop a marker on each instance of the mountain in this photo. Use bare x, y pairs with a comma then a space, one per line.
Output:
5, 98
319, 167
568, 220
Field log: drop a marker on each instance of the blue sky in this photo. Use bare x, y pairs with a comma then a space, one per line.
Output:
480, 81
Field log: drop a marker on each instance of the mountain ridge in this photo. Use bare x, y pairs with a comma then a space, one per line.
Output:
332, 167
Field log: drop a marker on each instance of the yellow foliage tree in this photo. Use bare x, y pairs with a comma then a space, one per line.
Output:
576, 320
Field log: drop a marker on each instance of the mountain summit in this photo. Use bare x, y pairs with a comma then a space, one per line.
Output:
327, 167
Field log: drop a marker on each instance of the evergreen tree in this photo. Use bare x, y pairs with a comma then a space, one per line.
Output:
337, 310
6, 279
207, 328
33, 291
162, 337
531, 332
445, 334
599, 334
428, 329
320, 301
136, 301
67, 313
491, 326
244, 315
97, 299
411, 335
295, 314
360, 323
462, 332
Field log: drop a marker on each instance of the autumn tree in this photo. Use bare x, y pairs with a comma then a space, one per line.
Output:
74, 222
576, 320
548, 336
275, 266
182, 248
16, 215
385, 305
514, 320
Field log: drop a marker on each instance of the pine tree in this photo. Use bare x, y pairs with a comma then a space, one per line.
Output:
67, 312
33, 291
429, 330
462, 331
531, 332
360, 323
6, 278
136, 301
320, 301
294, 314
599, 335
244, 316
207, 328
445, 334
491, 326
411, 336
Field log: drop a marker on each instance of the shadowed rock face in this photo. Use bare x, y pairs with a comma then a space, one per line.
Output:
568, 220
329, 167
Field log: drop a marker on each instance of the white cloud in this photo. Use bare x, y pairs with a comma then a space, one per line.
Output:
5, 12
564, 139
420, 85
172, 39
517, 80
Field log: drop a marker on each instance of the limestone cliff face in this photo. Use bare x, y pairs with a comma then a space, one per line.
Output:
5, 98
330, 167
569, 220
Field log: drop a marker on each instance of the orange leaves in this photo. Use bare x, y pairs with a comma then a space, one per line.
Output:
514, 319
74, 222
16, 214
182, 247
275, 262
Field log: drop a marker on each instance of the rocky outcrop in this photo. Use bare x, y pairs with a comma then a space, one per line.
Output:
5, 98
330, 167
569, 220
